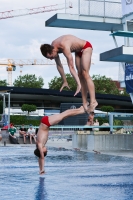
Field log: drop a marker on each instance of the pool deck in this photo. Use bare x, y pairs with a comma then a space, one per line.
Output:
63, 143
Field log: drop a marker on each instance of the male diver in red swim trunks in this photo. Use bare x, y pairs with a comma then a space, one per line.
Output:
42, 135
67, 44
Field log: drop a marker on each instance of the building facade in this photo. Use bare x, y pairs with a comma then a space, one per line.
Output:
50, 100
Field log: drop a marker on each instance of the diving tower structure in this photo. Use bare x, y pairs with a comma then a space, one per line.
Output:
104, 15
115, 16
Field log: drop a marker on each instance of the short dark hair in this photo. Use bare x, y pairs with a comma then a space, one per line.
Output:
37, 153
46, 48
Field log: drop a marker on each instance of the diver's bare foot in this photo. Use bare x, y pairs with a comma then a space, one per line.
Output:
86, 108
92, 106
42, 172
82, 110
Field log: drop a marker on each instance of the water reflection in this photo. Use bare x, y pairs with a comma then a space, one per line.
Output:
100, 158
41, 193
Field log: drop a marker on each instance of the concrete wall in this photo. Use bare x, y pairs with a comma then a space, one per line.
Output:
102, 142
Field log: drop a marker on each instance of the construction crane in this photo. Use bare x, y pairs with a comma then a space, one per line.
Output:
31, 11
12, 63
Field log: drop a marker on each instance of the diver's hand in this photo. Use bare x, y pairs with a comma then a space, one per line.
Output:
65, 84
78, 90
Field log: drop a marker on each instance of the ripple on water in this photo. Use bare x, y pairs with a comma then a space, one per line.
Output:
70, 175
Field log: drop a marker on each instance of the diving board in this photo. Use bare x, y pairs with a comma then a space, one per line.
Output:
122, 33
65, 20
120, 54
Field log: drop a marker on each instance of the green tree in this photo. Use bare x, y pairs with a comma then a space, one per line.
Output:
3, 83
118, 122
104, 85
56, 83
107, 109
28, 108
29, 81
103, 120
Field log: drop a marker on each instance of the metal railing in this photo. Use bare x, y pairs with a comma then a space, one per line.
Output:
98, 8
74, 128
66, 132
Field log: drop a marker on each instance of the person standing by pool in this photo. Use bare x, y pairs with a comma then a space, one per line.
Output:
42, 135
90, 120
67, 44
96, 123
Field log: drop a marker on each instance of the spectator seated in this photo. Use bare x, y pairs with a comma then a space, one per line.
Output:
31, 133
13, 139
23, 133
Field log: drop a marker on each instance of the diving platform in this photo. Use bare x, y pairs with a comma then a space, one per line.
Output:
65, 20
120, 54
123, 34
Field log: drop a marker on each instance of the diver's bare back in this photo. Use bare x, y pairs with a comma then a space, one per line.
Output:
75, 44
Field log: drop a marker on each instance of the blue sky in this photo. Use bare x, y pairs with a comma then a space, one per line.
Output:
21, 37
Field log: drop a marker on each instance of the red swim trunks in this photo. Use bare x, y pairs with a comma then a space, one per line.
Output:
45, 121
87, 44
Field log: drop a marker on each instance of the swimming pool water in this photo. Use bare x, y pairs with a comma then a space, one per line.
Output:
70, 175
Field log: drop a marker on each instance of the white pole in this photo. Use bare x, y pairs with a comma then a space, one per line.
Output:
78, 7
89, 7
127, 39
111, 122
3, 104
65, 6
9, 110
125, 29
104, 11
